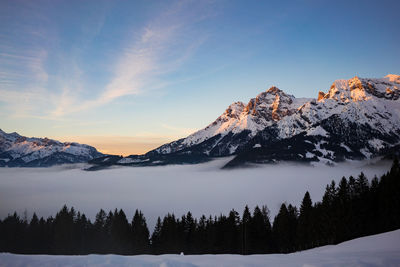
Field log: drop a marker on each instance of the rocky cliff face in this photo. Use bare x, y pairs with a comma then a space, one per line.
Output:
355, 119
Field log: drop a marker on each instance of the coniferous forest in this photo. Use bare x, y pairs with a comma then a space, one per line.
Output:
350, 209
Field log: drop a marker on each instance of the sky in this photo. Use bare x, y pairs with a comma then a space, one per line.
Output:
128, 76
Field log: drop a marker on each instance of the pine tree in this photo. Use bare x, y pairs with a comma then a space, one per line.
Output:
120, 233
328, 220
361, 185
284, 229
269, 240
170, 237
305, 224
140, 234
156, 237
33, 235
188, 233
201, 241
101, 238
343, 211
232, 232
293, 217
64, 231
260, 232
352, 187
246, 218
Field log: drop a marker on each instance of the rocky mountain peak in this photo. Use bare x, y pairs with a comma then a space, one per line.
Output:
321, 95
362, 89
393, 78
274, 90
234, 110
357, 118
272, 104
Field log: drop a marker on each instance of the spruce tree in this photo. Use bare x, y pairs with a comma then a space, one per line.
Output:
281, 230
140, 234
64, 231
305, 223
259, 233
246, 218
156, 237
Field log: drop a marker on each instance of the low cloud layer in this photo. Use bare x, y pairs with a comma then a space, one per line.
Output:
201, 189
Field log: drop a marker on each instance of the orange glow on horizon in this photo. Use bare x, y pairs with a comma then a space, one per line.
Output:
117, 145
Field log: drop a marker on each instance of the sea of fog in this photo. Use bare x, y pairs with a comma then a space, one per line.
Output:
201, 189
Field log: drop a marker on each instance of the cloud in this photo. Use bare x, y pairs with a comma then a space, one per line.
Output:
159, 49
139, 66
23, 71
30, 61
23, 54
201, 188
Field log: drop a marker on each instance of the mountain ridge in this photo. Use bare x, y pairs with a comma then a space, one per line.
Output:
355, 119
21, 151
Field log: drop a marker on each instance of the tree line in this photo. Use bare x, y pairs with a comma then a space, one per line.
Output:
351, 209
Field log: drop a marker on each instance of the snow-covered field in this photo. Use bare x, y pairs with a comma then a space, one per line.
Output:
377, 250
202, 188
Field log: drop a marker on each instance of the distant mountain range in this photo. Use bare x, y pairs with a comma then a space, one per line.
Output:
356, 119
21, 151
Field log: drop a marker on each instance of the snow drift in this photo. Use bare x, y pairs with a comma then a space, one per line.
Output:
377, 250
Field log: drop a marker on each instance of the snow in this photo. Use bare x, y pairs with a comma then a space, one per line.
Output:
29, 149
318, 131
376, 250
359, 100
254, 116
323, 150
366, 153
393, 78
376, 143
233, 148
256, 145
309, 155
345, 147
128, 160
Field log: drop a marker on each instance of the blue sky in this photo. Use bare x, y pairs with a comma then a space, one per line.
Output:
127, 76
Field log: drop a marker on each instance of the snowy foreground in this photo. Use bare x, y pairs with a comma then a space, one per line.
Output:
376, 250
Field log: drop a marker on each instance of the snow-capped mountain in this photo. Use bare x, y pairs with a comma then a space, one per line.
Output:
240, 121
21, 151
357, 118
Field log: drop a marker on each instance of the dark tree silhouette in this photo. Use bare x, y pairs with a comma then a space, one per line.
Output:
351, 209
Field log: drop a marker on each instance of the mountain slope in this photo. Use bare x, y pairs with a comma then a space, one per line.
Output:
356, 119
21, 151
261, 112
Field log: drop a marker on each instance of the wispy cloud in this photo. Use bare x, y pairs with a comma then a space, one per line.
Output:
145, 57
29, 88
23, 54
25, 71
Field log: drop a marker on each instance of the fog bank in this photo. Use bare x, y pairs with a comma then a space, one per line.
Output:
201, 189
